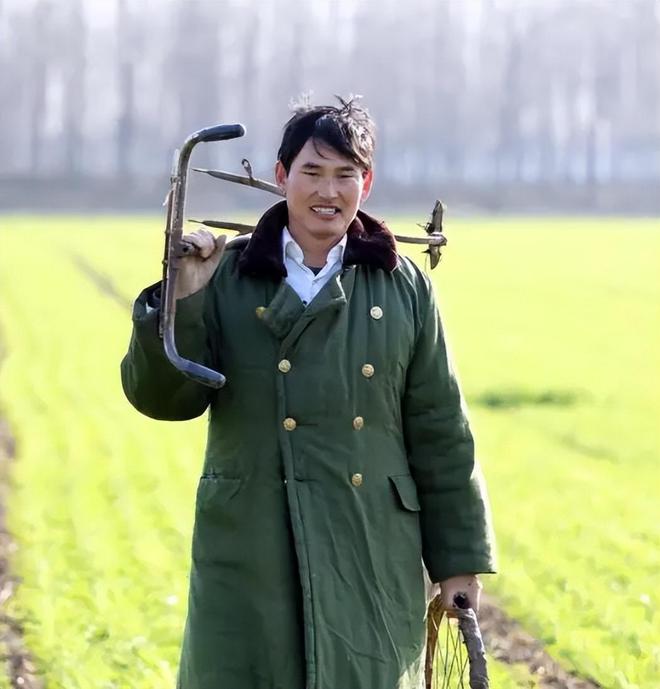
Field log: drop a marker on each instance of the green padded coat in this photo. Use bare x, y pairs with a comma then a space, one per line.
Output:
339, 464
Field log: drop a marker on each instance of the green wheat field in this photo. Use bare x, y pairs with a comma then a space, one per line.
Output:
555, 326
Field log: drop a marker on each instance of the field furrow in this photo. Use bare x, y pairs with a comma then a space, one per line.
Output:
555, 329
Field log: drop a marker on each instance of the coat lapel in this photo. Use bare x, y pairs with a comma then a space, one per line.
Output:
369, 242
286, 315
284, 311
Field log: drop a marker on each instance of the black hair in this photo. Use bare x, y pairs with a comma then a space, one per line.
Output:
348, 129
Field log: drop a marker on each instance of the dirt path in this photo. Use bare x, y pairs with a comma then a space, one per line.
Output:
19, 666
503, 636
103, 283
508, 642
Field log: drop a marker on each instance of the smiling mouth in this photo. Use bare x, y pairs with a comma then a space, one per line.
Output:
327, 211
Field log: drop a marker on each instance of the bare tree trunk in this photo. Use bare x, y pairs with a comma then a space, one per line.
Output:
492, 89
125, 131
39, 58
249, 80
508, 147
75, 90
297, 49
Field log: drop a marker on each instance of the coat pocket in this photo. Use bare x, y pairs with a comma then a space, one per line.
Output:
214, 491
217, 520
406, 490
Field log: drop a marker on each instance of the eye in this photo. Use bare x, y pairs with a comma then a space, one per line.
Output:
311, 174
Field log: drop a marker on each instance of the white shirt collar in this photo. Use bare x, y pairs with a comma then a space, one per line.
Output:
291, 249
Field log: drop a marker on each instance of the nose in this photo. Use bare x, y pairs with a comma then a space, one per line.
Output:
327, 188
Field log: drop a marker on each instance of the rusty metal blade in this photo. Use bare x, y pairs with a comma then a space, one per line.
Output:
429, 240
242, 179
239, 227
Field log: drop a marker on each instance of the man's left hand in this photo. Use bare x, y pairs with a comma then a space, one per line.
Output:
468, 584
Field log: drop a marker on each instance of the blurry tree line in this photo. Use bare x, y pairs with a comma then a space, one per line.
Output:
468, 90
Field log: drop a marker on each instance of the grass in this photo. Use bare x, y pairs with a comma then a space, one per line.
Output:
556, 333
555, 326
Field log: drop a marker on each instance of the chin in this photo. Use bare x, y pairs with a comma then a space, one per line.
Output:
325, 232
334, 229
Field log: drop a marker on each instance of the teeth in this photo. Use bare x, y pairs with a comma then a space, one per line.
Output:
321, 210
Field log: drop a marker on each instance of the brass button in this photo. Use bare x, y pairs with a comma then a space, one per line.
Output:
289, 424
368, 370
260, 311
358, 423
356, 480
376, 312
284, 366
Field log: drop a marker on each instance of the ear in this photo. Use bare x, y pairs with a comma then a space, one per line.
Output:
280, 175
367, 183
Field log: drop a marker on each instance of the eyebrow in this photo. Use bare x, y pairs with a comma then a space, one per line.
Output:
316, 166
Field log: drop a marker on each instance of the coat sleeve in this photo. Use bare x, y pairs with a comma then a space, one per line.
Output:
151, 383
455, 516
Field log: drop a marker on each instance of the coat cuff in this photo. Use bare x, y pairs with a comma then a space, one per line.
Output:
188, 322
456, 565
146, 308
465, 542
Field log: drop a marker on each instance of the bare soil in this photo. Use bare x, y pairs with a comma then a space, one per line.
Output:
508, 642
20, 667
503, 636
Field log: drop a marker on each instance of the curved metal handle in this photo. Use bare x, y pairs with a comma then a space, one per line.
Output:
174, 251
219, 132
194, 371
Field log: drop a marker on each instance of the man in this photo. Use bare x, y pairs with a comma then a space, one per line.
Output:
339, 459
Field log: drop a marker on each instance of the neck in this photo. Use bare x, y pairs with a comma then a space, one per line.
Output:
315, 250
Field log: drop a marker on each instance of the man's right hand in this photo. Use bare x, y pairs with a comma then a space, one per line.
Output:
195, 271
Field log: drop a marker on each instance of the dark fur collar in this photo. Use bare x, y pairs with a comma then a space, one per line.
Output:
369, 243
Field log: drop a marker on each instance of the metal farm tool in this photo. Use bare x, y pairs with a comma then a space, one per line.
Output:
176, 248
434, 238
455, 654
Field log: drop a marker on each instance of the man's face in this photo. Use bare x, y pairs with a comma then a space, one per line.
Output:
323, 191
